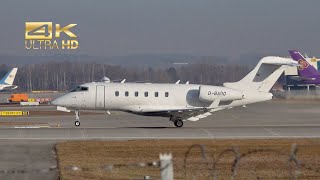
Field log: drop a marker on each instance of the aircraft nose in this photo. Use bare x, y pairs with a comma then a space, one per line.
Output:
56, 102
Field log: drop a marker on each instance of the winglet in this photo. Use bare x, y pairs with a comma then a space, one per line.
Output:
177, 82
214, 104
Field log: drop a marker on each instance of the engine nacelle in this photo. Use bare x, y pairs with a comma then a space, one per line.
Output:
211, 93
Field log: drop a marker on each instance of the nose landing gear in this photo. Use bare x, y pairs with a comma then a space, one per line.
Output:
77, 122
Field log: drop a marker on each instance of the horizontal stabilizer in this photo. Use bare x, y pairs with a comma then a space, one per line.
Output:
282, 61
7, 88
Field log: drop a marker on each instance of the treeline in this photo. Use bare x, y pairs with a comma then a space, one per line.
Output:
64, 76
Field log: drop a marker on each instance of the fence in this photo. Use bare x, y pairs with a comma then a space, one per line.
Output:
216, 169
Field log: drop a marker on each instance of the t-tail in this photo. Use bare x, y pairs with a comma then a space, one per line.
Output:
305, 69
9, 77
264, 75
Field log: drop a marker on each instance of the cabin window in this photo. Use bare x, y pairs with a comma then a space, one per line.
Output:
145, 94
116, 93
166, 94
126, 93
136, 94
156, 94
84, 88
80, 88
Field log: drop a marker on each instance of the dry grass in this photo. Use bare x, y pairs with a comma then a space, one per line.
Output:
93, 156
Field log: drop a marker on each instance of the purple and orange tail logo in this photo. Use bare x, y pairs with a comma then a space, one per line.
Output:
304, 64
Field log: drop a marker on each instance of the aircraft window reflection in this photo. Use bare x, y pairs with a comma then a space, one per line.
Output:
166, 94
126, 93
79, 88
116, 93
136, 94
75, 89
156, 94
145, 94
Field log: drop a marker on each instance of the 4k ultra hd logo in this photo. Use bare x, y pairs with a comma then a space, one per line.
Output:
46, 35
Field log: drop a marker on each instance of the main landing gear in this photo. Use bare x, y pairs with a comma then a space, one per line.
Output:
177, 121
77, 123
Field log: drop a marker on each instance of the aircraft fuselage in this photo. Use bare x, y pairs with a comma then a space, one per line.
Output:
143, 98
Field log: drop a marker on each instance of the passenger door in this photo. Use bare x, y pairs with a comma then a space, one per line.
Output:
100, 99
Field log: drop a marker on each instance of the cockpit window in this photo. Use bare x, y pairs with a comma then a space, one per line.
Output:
79, 88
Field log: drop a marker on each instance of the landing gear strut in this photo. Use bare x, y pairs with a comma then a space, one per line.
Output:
77, 123
177, 121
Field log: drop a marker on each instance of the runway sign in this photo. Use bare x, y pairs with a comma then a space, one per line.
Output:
14, 113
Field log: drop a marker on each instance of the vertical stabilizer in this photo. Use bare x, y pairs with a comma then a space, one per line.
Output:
305, 69
9, 77
264, 75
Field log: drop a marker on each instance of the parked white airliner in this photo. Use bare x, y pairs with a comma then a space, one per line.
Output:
7, 81
179, 102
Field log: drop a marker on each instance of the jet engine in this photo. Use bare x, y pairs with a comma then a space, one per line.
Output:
211, 93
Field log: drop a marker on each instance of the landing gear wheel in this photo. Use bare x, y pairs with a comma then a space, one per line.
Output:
178, 123
77, 123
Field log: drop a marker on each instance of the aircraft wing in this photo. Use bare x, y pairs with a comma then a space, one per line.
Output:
191, 114
194, 115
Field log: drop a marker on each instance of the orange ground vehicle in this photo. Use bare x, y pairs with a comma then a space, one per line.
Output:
18, 98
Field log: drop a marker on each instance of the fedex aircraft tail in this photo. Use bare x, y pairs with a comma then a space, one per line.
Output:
264, 75
305, 69
9, 77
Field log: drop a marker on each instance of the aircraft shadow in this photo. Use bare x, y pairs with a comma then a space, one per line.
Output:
150, 127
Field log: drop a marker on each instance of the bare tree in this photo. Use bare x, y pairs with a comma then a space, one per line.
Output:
63, 76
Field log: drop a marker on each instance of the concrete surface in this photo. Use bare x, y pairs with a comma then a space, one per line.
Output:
274, 119
27, 160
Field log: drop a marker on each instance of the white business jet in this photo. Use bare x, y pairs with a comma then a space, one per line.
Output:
179, 102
